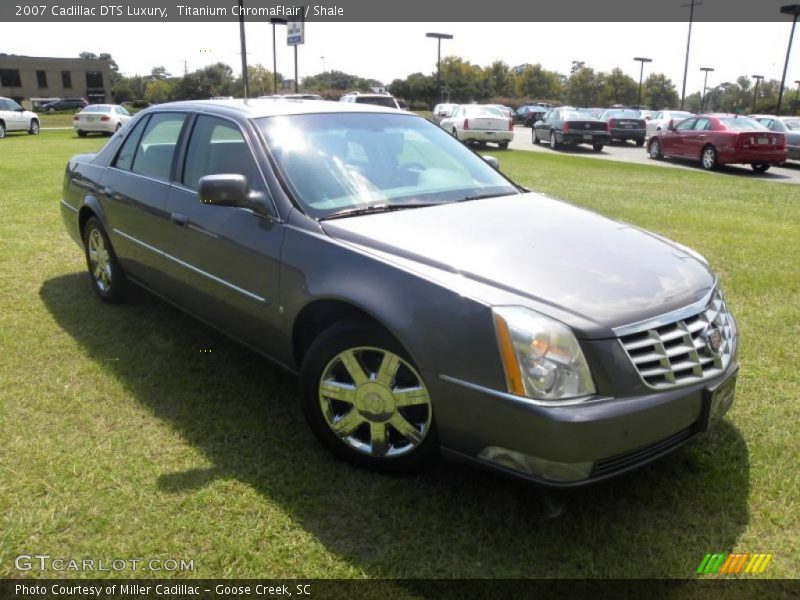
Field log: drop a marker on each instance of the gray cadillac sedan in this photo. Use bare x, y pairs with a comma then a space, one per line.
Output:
427, 303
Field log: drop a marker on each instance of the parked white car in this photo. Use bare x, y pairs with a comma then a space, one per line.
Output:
478, 123
15, 118
442, 111
100, 118
661, 119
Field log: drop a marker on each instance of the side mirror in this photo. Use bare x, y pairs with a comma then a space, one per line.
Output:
492, 162
20, 109
231, 190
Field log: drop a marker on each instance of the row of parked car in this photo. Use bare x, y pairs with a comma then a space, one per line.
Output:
711, 139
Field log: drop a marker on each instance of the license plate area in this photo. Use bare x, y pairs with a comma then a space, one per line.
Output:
587, 136
717, 400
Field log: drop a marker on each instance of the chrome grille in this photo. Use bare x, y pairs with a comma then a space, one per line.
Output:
685, 351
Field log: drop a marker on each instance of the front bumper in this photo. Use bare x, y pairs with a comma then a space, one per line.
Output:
615, 434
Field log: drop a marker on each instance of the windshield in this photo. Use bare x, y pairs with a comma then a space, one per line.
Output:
387, 101
742, 124
334, 162
679, 115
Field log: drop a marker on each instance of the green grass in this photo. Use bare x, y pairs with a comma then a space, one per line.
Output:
123, 437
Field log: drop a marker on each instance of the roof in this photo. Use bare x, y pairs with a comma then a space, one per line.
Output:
255, 108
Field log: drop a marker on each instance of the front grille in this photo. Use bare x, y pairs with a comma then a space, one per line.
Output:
685, 351
620, 462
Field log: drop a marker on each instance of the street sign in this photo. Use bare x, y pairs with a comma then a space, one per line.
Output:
295, 33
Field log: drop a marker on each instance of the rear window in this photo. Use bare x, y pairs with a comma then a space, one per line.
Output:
625, 114
377, 101
576, 114
482, 111
739, 124
96, 108
792, 124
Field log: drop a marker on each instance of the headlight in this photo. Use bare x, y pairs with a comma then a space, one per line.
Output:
541, 357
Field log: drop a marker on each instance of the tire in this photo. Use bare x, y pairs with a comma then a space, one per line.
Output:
503, 145
760, 167
536, 139
597, 147
640, 142
118, 127
34, 127
554, 145
2, 130
354, 414
654, 149
108, 279
82, 133
708, 158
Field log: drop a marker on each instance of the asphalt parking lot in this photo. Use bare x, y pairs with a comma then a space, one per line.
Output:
629, 152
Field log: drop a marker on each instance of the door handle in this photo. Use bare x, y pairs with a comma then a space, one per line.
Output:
109, 192
179, 219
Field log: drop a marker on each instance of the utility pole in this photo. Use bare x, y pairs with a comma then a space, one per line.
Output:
439, 37
244, 50
688, 43
758, 78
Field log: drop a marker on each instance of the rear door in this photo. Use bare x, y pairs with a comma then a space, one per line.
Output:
224, 260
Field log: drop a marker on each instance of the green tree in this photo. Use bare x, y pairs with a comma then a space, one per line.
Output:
584, 88
158, 91
499, 80
659, 93
618, 88
159, 72
537, 83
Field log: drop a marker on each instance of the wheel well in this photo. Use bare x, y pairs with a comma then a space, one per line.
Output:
317, 317
84, 215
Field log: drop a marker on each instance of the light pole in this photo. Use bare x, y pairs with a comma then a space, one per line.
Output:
323, 64
244, 49
758, 78
794, 10
691, 6
641, 74
439, 37
274, 22
705, 82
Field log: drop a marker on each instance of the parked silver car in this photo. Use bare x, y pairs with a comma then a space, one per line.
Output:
427, 303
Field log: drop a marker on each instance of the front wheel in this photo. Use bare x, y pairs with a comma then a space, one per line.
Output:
33, 129
108, 280
365, 400
708, 159
2, 130
760, 167
654, 150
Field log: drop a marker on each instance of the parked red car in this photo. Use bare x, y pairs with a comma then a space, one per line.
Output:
720, 140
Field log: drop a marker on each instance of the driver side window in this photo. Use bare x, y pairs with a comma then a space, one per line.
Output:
686, 125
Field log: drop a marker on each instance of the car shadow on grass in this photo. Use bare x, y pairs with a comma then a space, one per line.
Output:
449, 521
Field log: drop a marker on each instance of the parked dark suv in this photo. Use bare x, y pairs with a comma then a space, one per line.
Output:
65, 104
426, 302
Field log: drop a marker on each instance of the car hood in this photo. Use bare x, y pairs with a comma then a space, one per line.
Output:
547, 254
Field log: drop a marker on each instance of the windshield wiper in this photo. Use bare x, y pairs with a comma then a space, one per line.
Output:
374, 209
483, 196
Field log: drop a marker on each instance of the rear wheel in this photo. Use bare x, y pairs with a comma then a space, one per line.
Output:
554, 145
760, 167
503, 145
2, 130
708, 158
654, 149
81, 133
108, 280
536, 139
365, 400
34, 127
597, 147
640, 142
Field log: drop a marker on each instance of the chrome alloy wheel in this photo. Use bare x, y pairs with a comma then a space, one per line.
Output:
99, 261
709, 159
375, 402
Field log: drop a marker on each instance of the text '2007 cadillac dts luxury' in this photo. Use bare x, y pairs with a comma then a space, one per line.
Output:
427, 303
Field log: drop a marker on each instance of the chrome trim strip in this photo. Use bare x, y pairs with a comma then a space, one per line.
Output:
191, 267
667, 318
72, 208
520, 399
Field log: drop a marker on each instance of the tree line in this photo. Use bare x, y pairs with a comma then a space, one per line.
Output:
461, 82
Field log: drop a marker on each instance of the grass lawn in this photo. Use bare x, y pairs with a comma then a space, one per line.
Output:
135, 432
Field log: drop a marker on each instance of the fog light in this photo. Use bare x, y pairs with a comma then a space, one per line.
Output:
533, 465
